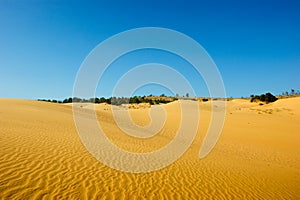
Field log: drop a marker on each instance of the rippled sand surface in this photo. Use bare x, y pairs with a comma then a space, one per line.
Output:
256, 157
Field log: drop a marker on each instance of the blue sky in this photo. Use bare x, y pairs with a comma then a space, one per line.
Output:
255, 44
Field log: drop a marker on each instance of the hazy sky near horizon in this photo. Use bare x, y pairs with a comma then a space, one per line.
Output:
255, 44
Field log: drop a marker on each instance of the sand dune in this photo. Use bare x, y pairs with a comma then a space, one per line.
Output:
256, 157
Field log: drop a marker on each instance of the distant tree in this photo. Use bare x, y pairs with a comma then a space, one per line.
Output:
76, 99
151, 102
134, 99
292, 91
187, 95
108, 101
97, 100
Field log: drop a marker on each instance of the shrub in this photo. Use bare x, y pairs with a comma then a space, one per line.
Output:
268, 98
134, 99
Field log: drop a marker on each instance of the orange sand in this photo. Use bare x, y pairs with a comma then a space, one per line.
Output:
256, 157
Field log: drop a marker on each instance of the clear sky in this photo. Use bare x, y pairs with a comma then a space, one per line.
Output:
255, 44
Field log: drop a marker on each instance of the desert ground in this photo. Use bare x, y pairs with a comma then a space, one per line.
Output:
256, 157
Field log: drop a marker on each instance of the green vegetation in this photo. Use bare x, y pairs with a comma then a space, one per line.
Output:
268, 98
292, 93
152, 100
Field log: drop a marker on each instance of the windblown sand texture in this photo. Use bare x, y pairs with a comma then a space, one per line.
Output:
256, 157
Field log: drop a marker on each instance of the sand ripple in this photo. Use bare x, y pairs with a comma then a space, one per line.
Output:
42, 157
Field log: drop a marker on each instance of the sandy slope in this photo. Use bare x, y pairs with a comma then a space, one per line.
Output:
257, 156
